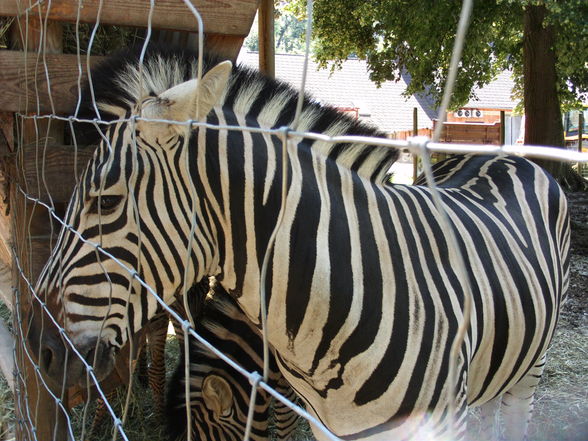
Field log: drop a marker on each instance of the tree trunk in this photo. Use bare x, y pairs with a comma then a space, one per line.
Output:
543, 122
543, 118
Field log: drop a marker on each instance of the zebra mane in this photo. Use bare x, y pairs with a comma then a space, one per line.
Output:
119, 84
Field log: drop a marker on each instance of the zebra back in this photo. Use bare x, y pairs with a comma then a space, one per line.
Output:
219, 396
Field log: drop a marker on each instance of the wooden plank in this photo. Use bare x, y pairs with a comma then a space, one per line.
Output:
502, 127
60, 165
5, 235
471, 133
472, 129
19, 93
226, 46
232, 17
39, 411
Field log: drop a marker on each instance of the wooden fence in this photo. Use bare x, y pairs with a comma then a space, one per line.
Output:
461, 133
44, 81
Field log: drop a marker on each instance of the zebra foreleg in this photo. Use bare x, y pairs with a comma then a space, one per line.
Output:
517, 403
101, 414
143, 368
156, 336
286, 420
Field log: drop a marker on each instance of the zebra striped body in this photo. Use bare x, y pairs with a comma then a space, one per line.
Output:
364, 300
219, 395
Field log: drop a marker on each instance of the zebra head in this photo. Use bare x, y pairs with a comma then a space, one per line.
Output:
128, 227
218, 404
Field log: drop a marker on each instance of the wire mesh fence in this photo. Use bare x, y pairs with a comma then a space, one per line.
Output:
41, 127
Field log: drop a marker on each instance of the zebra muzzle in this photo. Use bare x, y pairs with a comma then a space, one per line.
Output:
59, 362
63, 365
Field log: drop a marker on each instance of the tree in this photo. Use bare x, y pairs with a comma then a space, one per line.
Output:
289, 33
544, 42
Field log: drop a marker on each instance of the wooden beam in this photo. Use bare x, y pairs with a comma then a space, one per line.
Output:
19, 91
502, 127
220, 17
32, 244
580, 129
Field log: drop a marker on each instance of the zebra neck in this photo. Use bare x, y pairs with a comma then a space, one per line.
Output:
241, 173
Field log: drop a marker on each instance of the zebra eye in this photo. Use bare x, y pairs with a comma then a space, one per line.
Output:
107, 203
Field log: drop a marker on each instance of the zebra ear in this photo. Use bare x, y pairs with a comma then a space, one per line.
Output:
193, 99
212, 88
217, 395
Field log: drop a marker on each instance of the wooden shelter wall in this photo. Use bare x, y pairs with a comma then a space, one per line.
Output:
227, 18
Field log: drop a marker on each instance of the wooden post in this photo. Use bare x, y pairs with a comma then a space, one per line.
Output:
580, 136
267, 51
502, 127
37, 413
415, 132
580, 130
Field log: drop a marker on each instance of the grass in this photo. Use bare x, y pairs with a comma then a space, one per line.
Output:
106, 40
6, 410
6, 400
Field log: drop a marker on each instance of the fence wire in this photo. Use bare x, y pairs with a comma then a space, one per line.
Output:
41, 127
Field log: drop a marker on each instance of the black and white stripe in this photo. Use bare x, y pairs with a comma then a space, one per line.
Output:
364, 299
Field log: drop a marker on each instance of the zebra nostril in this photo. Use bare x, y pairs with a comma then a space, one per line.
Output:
91, 355
46, 359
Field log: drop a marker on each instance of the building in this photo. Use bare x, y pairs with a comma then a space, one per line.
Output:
351, 90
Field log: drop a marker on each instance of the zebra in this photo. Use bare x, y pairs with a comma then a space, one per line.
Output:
363, 300
219, 395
